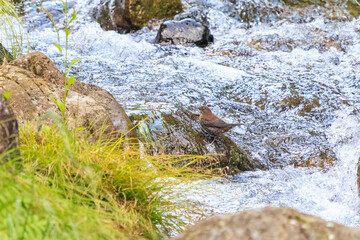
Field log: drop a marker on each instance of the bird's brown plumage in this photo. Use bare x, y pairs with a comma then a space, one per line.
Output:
212, 124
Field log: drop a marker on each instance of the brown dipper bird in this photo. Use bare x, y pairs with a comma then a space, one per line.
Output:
212, 124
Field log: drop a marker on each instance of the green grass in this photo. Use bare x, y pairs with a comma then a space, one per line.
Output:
66, 187
13, 34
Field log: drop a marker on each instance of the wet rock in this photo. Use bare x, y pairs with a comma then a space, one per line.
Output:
184, 32
179, 133
335, 10
128, 15
324, 160
268, 223
256, 11
5, 55
113, 15
298, 11
32, 79
9, 133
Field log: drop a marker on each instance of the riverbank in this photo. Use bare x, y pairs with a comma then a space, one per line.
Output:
64, 186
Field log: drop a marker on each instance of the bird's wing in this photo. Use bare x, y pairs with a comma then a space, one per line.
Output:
218, 123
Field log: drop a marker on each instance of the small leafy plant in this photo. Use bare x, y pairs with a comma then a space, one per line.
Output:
7, 95
61, 104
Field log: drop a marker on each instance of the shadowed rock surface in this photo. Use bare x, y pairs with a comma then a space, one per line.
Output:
32, 79
185, 32
268, 224
9, 133
5, 55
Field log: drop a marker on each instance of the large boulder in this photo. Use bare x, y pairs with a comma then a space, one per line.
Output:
127, 15
185, 32
179, 133
269, 224
9, 133
32, 79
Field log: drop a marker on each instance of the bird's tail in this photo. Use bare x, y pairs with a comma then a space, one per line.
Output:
236, 124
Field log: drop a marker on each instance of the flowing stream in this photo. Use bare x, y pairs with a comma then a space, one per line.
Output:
292, 77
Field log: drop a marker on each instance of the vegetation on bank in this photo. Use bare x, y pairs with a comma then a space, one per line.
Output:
65, 187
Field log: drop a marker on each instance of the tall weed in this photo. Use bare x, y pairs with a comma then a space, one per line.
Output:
13, 34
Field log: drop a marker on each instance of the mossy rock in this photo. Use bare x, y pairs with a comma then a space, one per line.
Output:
304, 3
141, 11
179, 133
352, 8
130, 15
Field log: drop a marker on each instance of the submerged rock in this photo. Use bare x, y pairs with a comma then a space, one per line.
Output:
268, 223
9, 133
32, 79
185, 32
179, 133
127, 15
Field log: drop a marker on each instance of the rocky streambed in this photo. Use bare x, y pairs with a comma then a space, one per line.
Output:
288, 70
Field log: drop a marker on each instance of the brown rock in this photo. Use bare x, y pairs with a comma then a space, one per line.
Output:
32, 79
9, 133
127, 15
269, 224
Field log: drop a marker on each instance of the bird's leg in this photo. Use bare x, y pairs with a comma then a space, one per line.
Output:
213, 140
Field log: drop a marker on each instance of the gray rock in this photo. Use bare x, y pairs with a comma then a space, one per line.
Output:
185, 32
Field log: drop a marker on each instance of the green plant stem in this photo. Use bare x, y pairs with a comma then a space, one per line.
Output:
66, 55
